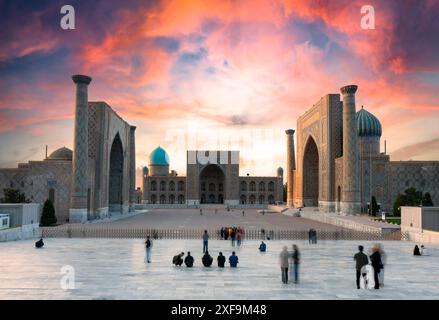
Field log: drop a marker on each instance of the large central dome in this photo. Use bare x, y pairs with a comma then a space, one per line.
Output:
367, 124
159, 157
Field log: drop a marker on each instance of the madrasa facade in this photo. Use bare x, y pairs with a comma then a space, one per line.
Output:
212, 177
338, 165
94, 180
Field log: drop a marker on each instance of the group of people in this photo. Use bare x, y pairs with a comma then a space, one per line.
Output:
235, 234
377, 259
420, 252
206, 260
289, 260
312, 236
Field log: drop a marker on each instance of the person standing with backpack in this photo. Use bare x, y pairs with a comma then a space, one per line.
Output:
148, 247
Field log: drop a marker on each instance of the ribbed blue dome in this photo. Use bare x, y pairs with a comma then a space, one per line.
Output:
367, 124
145, 169
280, 171
159, 157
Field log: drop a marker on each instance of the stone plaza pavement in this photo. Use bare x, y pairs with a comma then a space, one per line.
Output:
191, 219
115, 269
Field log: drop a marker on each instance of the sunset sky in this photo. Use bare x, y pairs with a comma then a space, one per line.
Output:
217, 74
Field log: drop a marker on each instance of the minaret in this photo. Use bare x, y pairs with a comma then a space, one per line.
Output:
78, 200
291, 165
350, 201
132, 170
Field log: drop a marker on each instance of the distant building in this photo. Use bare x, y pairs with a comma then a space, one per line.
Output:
339, 164
212, 178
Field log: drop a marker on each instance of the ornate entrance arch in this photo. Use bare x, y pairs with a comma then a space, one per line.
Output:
213, 178
115, 190
311, 174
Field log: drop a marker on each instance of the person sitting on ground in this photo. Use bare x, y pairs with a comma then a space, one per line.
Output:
262, 247
178, 259
423, 251
221, 260
233, 260
189, 260
416, 251
207, 259
39, 243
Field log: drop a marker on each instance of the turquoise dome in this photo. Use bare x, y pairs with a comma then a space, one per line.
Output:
367, 124
280, 171
159, 157
145, 169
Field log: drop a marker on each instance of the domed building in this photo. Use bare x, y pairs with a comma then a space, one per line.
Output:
338, 162
61, 154
212, 178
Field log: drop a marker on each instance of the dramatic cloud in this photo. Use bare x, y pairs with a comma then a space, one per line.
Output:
221, 68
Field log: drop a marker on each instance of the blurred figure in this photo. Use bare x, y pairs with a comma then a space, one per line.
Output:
39, 243
383, 263
423, 251
233, 260
283, 260
361, 260
295, 259
375, 259
416, 251
262, 247
189, 260
221, 260
148, 248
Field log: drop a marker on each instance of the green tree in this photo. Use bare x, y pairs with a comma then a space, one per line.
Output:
399, 201
13, 196
426, 200
48, 217
413, 197
375, 207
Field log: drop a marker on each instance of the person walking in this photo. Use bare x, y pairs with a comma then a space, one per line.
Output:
361, 260
239, 237
207, 259
283, 259
221, 260
233, 236
383, 263
375, 259
189, 260
262, 247
148, 248
201, 212
233, 260
205, 241
243, 213
295, 257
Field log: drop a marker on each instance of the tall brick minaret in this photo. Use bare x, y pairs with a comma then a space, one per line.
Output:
350, 201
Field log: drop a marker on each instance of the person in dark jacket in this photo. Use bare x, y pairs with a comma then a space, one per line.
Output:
221, 260
416, 251
375, 259
207, 259
189, 260
233, 260
361, 260
296, 261
262, 247
178, 259
205, 241
39, 243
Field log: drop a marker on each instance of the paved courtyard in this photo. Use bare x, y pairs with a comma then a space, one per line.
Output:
191, 219
115, 269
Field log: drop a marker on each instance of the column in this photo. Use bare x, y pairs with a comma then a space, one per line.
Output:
350, 202
291, 165
132, 170
78, 200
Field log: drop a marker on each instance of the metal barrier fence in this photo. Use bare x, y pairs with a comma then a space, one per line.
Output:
251, 234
